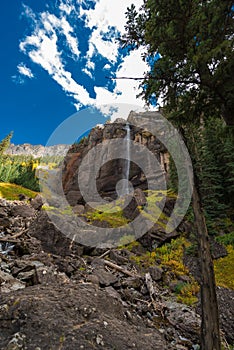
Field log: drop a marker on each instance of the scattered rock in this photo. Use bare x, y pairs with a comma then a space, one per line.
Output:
22, 197
116, 256
156, 273
78, 209
37, 202
105, 278
185, 319
132, 282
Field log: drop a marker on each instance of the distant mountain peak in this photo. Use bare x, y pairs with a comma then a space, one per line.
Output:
37, 151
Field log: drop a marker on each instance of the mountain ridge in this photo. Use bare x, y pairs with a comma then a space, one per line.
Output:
37, 151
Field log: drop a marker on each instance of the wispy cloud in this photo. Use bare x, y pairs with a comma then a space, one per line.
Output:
25, 71
55, 40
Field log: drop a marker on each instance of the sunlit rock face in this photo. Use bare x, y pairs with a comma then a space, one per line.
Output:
106, 164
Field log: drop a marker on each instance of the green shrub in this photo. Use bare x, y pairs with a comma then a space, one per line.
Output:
227, 239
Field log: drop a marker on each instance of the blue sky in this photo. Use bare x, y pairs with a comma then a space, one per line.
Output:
54, 61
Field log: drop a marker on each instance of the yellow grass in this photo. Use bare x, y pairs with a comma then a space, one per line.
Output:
224, 268
12, 191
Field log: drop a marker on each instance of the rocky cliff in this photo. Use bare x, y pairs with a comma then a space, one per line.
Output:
105, 153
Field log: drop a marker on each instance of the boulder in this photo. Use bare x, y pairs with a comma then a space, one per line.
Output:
105, 278
156, 273
52, 239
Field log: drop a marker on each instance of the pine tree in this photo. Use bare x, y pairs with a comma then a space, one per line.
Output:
194, 77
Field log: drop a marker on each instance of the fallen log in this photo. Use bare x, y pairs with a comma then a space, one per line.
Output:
120, 269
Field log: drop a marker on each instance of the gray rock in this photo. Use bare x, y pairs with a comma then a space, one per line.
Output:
156, 273
22, 210
3, 212
78, 209
116, 256
130, 211
93, 279
105, 278
132, 282
113, 293
91, 207
37, 202
186, 319
9, 283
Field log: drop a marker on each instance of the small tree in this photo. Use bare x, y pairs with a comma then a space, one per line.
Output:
5, 143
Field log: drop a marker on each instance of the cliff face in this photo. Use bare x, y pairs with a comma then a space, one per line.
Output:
37, 151
106, 161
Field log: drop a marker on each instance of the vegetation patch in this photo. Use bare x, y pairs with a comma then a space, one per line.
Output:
223, 268
12, 191
227, 239
170, 255
188, 293
114, 218
152, 210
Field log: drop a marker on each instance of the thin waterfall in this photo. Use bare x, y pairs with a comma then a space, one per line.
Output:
126, 169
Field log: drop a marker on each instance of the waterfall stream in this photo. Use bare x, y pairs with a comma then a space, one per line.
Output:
126, 169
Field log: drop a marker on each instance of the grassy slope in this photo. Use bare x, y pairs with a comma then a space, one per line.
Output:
12, 191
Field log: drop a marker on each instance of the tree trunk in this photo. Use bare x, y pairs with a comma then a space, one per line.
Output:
210, 334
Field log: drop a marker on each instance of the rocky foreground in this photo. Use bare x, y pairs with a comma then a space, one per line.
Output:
57, 295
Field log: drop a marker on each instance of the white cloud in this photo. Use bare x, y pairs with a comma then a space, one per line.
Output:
109, 13
43, 49
22, 69
66, 7
105, 15
108, 49
27, 12
51, 22
45, 53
